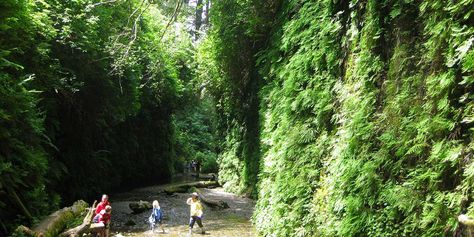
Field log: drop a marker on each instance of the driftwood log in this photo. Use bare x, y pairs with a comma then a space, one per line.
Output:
183, 188
210, 176
213, 203
54, 223
84, 227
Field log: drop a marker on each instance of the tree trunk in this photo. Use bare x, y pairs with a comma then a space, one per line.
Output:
206, 13
54, 223
20, 204
198, 21
84, 227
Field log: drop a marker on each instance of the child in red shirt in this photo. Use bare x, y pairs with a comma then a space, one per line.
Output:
104, 218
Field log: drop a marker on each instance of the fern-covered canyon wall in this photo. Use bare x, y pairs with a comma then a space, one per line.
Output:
226, 68
365, 113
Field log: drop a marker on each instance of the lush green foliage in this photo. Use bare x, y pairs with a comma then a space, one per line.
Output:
23, 161
366, 114
344, 118
87, 93
196, 134
195, 120
227, 69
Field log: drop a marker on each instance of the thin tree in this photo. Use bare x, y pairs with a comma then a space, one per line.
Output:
198, 20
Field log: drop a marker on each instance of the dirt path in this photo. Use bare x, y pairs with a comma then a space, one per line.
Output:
234, 221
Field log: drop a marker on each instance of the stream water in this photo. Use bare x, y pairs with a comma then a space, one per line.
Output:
233, 221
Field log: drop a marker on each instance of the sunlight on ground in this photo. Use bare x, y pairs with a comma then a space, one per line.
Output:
225, 228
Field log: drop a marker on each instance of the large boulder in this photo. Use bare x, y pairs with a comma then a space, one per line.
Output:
140, 206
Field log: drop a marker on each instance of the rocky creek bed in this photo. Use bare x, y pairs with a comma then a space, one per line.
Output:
233, 221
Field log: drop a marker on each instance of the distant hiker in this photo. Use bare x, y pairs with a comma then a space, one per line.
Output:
101, 206
198, 167
195, 213
193, 165
103, 217
156, 217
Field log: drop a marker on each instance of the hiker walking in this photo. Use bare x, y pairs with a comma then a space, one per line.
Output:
195, 212
156, 217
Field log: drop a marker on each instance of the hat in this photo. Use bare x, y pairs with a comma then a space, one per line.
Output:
195, 194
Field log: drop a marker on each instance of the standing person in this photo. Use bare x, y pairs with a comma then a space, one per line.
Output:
103, 217
193, 165
156, 217
102, 204
195, 213
198, 168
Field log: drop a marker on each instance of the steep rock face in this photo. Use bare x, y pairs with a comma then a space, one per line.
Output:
366, 117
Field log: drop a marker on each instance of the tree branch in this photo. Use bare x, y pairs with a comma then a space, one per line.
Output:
179, 4
89, 7
173, 17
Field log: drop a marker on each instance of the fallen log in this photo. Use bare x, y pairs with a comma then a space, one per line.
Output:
214, 203
183, 188
84, 227
210, 176
54, 223
206, 184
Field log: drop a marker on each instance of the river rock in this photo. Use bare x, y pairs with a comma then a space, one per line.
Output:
140, 206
